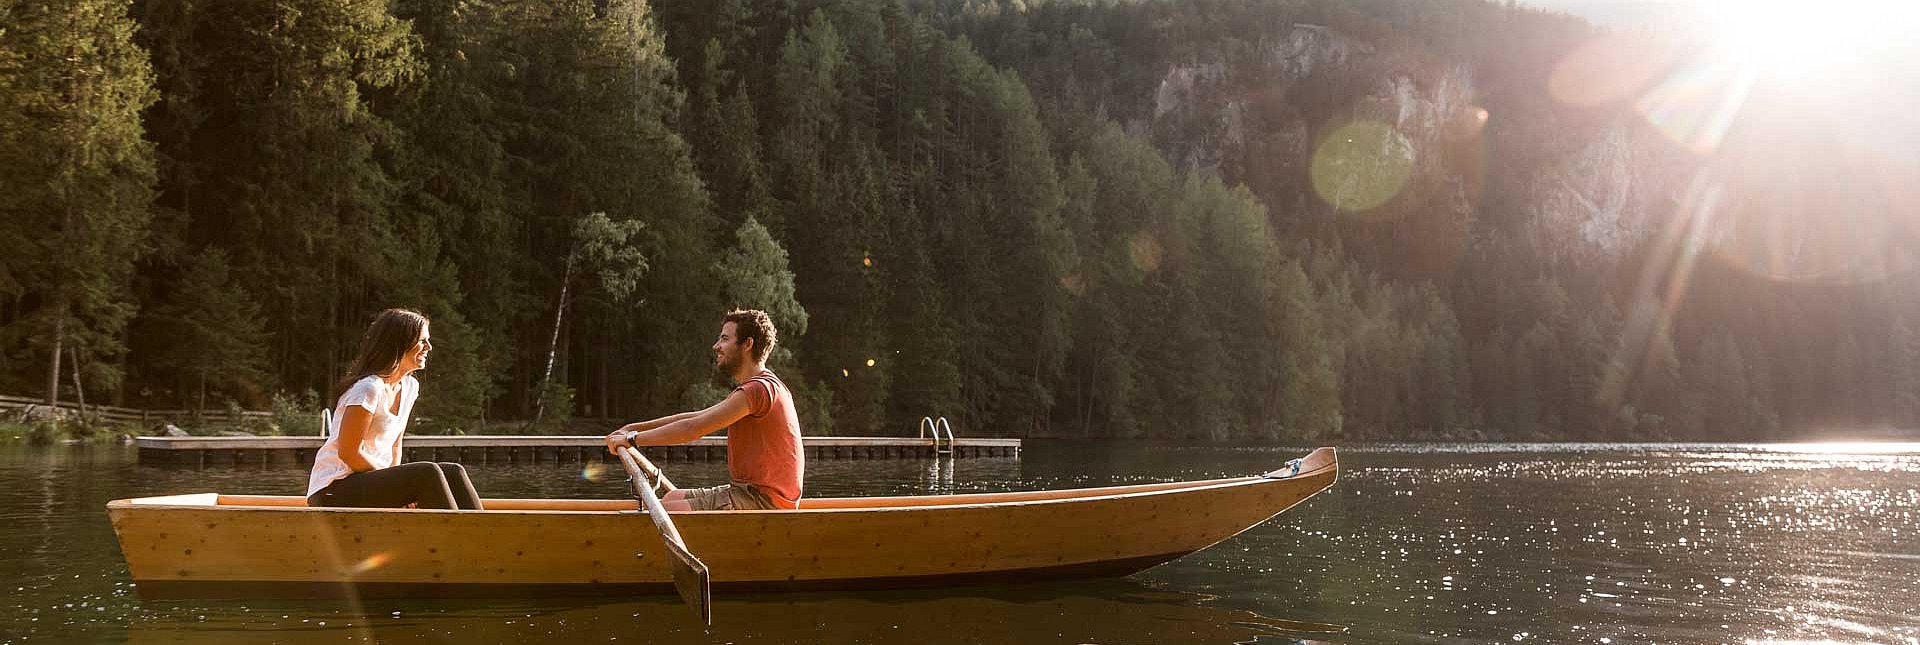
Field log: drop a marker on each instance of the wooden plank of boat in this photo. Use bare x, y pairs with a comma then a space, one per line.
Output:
242, 545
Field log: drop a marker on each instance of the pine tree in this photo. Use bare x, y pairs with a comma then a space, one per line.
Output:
1308, 406
1904, 355
593, 102
280, 166
1657, 384
1589, 410
1720, 375
78, 185
1442, 367
453, 252
217, 337
1530, 415
1844, 381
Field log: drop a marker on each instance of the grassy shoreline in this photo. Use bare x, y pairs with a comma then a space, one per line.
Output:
47, 433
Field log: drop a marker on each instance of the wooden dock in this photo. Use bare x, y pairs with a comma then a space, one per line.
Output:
487, 449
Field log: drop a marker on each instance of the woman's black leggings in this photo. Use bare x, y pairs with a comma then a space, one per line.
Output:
424, 484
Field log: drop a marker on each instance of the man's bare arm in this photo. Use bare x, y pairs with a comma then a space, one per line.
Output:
643, 426
684, 427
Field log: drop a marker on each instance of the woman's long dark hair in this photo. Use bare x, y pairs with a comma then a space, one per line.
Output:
385, 342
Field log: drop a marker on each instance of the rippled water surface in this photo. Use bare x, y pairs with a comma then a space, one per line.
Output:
1417, 543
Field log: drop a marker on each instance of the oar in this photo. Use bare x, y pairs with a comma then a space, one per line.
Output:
689, 573
653, 472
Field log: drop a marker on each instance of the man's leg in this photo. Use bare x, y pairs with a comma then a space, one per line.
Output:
676, 500
717, 498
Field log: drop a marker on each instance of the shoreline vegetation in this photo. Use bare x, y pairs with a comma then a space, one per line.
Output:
1213, 221
46, 432
93, 429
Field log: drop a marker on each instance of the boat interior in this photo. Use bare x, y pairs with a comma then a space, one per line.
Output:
1320, 460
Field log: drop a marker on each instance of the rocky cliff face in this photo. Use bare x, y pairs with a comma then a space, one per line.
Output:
1263, 126
1591, 203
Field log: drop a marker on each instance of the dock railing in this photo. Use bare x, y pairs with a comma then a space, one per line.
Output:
929, 425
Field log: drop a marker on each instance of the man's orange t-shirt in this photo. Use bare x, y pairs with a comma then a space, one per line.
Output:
763, 448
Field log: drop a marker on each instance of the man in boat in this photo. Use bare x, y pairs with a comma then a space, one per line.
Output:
764, 460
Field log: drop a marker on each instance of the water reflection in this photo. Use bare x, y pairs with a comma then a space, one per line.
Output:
1110, 612
939, 477
1449, 543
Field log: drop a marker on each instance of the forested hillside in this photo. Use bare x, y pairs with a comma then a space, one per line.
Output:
1215, 220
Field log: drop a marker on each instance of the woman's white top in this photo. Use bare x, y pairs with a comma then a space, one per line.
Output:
376, 445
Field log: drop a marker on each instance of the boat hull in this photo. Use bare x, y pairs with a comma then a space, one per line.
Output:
210, 545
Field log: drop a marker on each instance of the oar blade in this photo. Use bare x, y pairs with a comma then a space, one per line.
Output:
691, 580
689, 573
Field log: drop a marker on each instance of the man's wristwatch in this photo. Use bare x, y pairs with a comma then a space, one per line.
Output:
630, 435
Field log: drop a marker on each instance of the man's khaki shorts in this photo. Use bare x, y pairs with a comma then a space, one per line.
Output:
734, 496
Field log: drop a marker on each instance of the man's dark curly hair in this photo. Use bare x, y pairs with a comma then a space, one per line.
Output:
754, 324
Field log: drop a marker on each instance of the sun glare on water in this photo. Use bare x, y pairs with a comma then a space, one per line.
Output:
1853, 448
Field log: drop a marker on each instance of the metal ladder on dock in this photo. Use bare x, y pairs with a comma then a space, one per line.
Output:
929, 425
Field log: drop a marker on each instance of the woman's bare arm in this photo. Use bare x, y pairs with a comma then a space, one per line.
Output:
354, 423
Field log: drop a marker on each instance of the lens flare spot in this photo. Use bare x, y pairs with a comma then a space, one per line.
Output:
1361, 165
869, 362
593, 472
1073, 283
1612, 68
866, 261
844, 373
1146, 252
1697, 104
372, 562
1465, 124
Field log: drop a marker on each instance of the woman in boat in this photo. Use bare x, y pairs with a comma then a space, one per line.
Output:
359, 465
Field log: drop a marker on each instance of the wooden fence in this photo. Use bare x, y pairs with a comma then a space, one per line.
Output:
132, 415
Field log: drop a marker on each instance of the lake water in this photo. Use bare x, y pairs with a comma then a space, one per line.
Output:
1416, 544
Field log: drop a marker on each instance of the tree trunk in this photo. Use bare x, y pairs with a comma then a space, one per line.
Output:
605, 411
53, 369
553, 342
79, 392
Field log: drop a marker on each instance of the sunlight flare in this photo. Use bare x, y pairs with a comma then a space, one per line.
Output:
1696, 106
371, 562
1146, 252
1802, 43
1361, 165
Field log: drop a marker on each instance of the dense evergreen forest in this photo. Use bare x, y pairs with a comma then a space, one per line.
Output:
1197, 220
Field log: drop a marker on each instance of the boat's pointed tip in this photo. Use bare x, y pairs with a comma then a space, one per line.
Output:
1321, 458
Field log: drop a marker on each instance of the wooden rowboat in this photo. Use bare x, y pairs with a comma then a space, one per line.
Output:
214, 545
